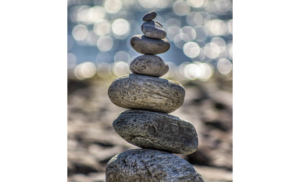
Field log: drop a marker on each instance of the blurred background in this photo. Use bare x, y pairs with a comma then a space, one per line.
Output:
200, 57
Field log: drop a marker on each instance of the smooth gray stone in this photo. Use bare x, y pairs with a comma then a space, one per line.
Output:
158, 23
146, 165
149, 65
158, 131
145, 92
152, 29
149, 16
145, 45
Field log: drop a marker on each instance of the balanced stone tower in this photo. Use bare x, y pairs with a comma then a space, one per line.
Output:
147, 124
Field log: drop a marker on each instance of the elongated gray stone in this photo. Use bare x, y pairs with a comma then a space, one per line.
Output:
145, 45
146, 165
149, 16
152, 29
155, 130
149, 65
145, 92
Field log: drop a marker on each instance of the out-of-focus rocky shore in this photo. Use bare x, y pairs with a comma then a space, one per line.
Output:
92, 141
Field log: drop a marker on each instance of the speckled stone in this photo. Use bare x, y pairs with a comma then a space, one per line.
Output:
145, 45
152, 29
146, 165
155, 130
149, 65
145, 92
149, 16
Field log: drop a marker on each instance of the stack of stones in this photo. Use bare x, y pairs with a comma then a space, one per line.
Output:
147, 124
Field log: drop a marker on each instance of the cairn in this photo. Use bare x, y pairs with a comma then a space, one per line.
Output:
147, 124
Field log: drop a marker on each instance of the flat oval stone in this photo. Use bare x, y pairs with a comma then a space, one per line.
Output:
149, 65
145, 92
146, 165
145, 45
149, 16
153, 30
154, 130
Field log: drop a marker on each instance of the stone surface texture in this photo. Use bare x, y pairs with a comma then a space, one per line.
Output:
149, 65
158, 131
146, 165
152, 29
144, 45
149, 16
147, 93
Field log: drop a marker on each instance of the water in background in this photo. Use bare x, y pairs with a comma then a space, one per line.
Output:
200, 58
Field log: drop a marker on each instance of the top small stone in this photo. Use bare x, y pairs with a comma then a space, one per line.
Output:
149, 16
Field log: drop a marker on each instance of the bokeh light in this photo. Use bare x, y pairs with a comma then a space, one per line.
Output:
196, 70
71, 60
192, 71
172, 32
70, 42
105, 43
191, 49
102, 27
224, 66
122, 56
189, 31
80, 32
212, 50
180, 39
172, 22
120, 68
96, 13
194, 19
206, 71
201, 33
92, 38
222, 6
113, 6
217, 27
85, 70
102, 70
195, 3
181, 8
147, 4
220, 42
120, 28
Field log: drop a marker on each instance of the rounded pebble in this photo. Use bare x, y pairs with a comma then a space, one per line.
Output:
150, 65
154, 130
145, 45
145, 92
149, 16
153, 30
146, 165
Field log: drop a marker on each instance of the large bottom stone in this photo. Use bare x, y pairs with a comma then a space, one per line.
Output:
146, 165
156, 130
145, 92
